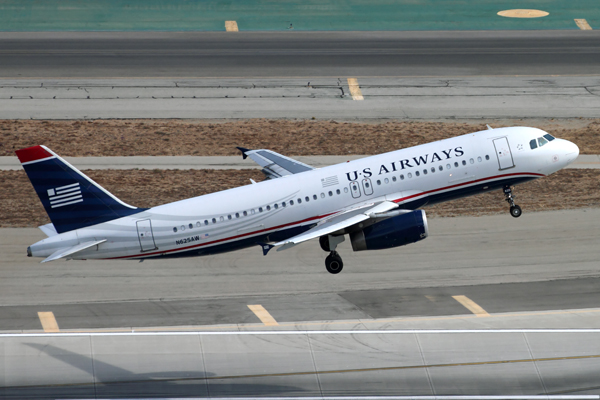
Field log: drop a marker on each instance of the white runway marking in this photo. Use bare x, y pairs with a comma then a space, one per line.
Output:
346, 332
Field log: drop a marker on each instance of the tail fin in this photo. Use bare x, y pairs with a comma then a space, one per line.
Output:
71, 199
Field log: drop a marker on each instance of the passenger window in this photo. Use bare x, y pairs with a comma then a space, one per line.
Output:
464, 162
338, 191
409, 175
260, 209
307, 199
472, 161
245, 213
441, 168
198, 224
322, 195
182, 227
330, 193
417, 173
487, 157
237, 215
221, 219
214, 220
283, 204
424, 172
542, 141
191, 226
205, 222
378, 182
456, 164
393, 179
276, 206
479, 159
315, 196
432, 169
386, 180
175, 229
299, 201
401, 177
549, 137
345, 190
448, 166
229, 216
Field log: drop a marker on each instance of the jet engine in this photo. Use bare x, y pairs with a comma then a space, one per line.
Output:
396, 231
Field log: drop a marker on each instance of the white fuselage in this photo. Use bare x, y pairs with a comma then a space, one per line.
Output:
276, 209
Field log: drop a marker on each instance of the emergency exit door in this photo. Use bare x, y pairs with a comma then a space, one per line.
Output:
145, 235
505, 158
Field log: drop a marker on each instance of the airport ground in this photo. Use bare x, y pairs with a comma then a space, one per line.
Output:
490, 272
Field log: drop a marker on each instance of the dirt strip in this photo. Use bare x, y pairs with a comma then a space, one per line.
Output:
20, 206
291, 137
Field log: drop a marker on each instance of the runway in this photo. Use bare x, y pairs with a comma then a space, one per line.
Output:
297, 54
539, 262
482, 273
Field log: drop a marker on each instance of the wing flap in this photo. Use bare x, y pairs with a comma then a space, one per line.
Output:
274, 164
67, 251
338, 222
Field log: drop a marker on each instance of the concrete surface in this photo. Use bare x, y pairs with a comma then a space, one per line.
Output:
540, 262
7, 163
396, 98
368, 363
291, 54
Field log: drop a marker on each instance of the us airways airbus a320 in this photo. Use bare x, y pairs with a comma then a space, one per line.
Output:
376, 200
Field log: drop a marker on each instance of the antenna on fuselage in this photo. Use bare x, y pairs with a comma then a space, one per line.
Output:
489, 127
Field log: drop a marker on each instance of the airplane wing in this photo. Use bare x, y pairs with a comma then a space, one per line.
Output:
337, 222
274, 164
67, 251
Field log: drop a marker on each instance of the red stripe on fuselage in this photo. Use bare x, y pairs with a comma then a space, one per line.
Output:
32, 154
322, 216
463, 184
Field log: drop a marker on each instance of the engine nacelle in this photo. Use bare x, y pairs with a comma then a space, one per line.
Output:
392, 232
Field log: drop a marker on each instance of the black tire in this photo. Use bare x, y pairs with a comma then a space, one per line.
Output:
515, 211
324, 242
334, 264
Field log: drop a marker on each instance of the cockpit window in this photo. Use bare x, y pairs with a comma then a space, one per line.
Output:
542, 141
533, 144
549, 137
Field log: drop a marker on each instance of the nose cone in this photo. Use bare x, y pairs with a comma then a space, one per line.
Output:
571, 151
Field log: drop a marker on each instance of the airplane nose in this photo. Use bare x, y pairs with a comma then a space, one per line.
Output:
571, 151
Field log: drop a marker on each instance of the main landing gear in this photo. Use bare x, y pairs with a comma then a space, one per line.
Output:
333, 262
515, 210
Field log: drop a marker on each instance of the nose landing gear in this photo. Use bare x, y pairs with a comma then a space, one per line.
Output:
515, 210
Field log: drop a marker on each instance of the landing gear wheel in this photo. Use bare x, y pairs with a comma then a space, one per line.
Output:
333, 263
515, 211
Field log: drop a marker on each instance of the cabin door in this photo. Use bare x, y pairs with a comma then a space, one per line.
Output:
505, 158
145, 235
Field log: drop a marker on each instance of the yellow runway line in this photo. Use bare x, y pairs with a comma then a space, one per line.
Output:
583, 24
355, 89
48, 321
231, 26
471, 306
263, 315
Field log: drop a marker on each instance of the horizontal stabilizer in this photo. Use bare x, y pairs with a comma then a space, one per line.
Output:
274, 164
48, 229
68, 251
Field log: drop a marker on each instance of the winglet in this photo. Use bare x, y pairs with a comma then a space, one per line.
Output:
243, 150
266, 247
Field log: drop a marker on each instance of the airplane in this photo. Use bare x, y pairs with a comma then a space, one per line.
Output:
376, 201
